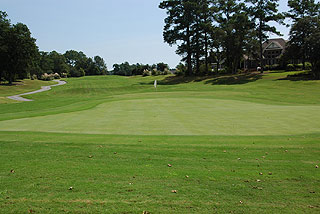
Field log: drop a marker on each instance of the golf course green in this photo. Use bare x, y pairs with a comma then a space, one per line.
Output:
248, 143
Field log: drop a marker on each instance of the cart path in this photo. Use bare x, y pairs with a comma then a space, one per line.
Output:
43, 88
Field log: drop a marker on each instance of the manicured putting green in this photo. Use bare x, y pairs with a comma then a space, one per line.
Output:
182, 116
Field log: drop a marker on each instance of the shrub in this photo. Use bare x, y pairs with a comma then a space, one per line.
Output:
203, 69
179, 73
165, 72
290, 67
155, 72
146, 73
56, 76
34, 77
308, 66
64, 75
298, 67
222, 71
47, 77
275, 67
239, 71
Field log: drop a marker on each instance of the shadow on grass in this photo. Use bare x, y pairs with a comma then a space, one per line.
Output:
226, 79
277, 71
17, 82
301, 76
237, 79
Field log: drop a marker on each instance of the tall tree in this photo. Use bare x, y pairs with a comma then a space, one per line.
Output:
262, 13
4, 30
233, 21
305, 32
314, 47
299, 10
22, 50
302, 8
59, 63
178, 27
100, 65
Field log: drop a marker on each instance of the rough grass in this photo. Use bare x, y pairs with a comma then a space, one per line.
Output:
20, 87
198, 125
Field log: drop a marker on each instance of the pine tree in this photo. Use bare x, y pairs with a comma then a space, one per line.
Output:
299, 12
262, 13
178, 27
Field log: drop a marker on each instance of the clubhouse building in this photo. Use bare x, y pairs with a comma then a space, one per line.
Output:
273, 49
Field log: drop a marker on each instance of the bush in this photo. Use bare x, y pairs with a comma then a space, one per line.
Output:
64, 75
165, 72
290, 67
275, 67
272, 67
179, 73
56, 76
308, 66
203, 69
155, 72
47, 77
34, 77
222, 71
298, 67
76, 72
146, 73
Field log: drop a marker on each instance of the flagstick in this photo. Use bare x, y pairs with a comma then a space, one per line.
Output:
155, 85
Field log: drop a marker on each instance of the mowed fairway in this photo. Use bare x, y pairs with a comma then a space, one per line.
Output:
245, 144
177, 116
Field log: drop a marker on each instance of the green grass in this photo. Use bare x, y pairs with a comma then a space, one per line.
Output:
112, 138
20, 87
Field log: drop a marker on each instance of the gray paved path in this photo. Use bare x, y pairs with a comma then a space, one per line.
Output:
43, 88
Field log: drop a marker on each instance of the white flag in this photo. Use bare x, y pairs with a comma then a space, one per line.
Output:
155, 83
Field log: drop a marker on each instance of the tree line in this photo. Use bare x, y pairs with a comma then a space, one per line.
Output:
207, 31
20, 57
125, 69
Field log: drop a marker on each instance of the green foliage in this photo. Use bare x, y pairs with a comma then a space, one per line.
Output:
308, 66
305, 42
204, 69
299, 9
17, 49
272, 67
46, 77
182, 28
262, 13
125, 69
146, 73
305, 15
181, 69
162, 66
290, 67
74, 72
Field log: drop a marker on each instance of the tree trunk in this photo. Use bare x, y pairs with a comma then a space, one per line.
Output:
303, 54
189, 53
197, 55
206, 52
10, 79
261, 49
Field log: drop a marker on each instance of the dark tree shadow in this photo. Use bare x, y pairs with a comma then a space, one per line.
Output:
17, 82
302, 76
225, 79
237, 79
277, 72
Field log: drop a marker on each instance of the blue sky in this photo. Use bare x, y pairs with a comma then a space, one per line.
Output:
117, 30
